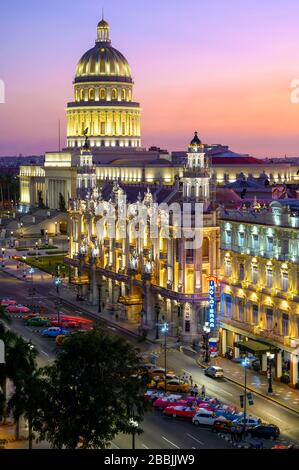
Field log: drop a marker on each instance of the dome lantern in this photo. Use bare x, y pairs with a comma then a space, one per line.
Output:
103, 31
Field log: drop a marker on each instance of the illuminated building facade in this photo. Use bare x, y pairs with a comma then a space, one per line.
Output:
133, 274
103, 98
260, 283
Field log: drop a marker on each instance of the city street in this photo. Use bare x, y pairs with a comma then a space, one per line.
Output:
159, 432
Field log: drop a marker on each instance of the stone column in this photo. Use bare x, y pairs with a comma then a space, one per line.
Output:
264, 363
236, 350
278, 371
293, 369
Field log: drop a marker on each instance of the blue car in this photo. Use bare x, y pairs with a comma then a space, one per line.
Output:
228, 415
54, 331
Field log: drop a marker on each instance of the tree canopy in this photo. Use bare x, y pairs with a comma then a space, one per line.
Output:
91, 392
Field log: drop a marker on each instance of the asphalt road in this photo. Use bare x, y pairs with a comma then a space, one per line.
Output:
159, 432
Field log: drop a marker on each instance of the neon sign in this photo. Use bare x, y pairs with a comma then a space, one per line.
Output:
212, 304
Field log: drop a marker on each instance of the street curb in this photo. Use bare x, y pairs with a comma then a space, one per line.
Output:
254, 391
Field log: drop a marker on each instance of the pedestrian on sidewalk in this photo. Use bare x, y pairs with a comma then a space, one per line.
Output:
203, 392
195, 391
239, 433
191, 391
191, 380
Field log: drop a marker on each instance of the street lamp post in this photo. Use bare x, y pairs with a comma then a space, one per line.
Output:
46, 238
134, 425
270, 357
57, 283
157, 311
3, 253
206, 330
24, 266
164, 330
31, 272
36, 251
11, 240
21, 229
245, 364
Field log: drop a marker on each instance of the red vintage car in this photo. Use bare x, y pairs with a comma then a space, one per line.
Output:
7, 302
17, 309
65, 324
183, 412
171, 400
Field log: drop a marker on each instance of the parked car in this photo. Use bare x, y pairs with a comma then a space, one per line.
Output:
7, 302
54, 331
184, 412
204, 417
17, 309
152, 395
173, 400
232, 416
222, 424
159, 372
30, 315
174, 385
37, 321
250, 421
214, 372
266, 431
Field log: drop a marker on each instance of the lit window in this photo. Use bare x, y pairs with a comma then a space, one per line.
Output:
123, 94
102, 94
114, 94
255, 314
82, 94
284, 281
241, 310
91, 94
255, 242
228, 267
241, 272
285, 324
269, 277
254, 272
241, 239
228, 237
270, 244
228, 306
269, 318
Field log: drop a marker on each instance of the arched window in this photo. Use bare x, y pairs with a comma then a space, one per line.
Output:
123, 94
82, 94
77, 96
91, 94
114, 94
102, 94
129, 95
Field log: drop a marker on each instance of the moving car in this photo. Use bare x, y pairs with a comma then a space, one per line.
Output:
184, 412
250, 421
204, 417
37, 321
17, 309
174, 385
173, 400
66, 324
222, 424
7, 302
54, 331
214, 372
267, 431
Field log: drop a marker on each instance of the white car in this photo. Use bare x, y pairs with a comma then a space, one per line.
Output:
204, 417
250, 421
214, 372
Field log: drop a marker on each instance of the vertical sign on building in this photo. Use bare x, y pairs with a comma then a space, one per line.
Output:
212, 304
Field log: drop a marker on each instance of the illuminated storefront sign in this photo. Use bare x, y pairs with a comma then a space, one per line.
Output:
212, 304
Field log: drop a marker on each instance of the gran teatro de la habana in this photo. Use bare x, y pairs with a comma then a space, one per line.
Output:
170, 237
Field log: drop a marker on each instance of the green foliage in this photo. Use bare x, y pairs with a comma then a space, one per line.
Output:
91, 392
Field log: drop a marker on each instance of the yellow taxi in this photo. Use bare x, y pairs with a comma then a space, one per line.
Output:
174, 385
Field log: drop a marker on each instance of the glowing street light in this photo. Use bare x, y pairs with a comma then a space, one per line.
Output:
270, 357
164, 330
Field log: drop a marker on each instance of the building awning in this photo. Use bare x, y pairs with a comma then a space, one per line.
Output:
80, 281
255, 347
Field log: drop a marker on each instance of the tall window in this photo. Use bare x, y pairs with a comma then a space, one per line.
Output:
228, 237
255, 243
228, 267
228, 305
102, 94
123, 94
269, 244
285, 324
269, 318
255, 314
284, 281
91, 94
241, 239
269, 277
241, 272
103, 128
82, 94
254, 271
241, 310
114, 94
123, 128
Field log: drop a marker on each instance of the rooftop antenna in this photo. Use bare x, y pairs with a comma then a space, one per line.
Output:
102, 13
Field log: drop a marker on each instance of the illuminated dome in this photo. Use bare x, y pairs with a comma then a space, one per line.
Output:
103, 108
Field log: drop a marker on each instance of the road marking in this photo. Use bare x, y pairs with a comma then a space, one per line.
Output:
143, 445
114, 445
192, 437
275, 417
45, 353
174, 445
226, 393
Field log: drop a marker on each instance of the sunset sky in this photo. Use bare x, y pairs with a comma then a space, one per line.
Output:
221, 67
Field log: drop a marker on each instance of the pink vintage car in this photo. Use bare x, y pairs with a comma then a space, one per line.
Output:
7, 302
173, 400
17, 309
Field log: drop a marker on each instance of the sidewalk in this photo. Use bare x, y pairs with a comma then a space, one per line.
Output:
258, 383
